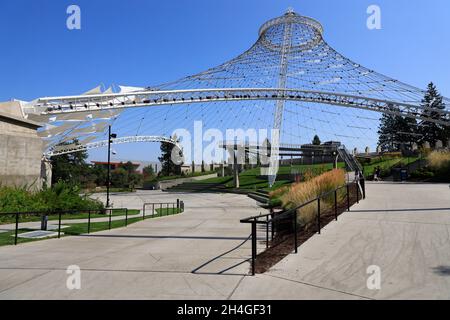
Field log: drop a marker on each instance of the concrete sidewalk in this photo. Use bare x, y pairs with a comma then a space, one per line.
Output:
200, 254
402, 228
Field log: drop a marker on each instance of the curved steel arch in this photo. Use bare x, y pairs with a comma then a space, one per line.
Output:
66, 149
77, 104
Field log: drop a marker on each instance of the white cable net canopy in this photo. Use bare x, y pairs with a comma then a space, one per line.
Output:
290, 79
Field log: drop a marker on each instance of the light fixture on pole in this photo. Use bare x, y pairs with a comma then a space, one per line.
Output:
108, 182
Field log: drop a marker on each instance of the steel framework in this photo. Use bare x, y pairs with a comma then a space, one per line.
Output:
65, 149
290, 62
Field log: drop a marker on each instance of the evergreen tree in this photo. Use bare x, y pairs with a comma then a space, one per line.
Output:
396, 131
432, 132
316, 140
167, 166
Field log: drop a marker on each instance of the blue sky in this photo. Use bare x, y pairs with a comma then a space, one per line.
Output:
140, 42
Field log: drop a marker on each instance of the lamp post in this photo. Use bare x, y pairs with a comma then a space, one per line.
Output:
108, 182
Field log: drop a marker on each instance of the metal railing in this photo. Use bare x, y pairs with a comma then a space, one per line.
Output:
269, 220
106, 213
164, 207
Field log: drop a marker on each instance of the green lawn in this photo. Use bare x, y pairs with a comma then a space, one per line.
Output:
386, 164
7, 238
251, 180
166, 211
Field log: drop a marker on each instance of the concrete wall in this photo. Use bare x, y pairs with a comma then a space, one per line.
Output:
20, 149
163, 185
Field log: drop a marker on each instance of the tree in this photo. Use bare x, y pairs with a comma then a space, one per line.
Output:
148, 171
167, 166
71, 168
316, 141
119, 178
100, 173
432, 132
396, 131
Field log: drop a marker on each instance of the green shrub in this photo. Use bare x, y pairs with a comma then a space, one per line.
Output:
60, 196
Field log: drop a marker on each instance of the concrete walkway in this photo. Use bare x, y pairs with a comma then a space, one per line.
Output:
200, 254
404, 229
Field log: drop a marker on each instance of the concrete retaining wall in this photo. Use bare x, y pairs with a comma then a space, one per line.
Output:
163, 185
20, 149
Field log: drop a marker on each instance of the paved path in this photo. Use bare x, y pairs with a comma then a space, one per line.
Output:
185, 256
201, 254
402, 228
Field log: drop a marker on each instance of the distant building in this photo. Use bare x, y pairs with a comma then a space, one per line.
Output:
21, 149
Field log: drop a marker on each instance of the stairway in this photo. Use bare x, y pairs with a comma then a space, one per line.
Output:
261, 196
350, 161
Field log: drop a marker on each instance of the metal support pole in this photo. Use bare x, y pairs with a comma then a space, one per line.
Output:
143, 212
335, 205
110, 214
178, 203
59, 225
254, 243
348, 198
89, 221
267, 232
318, 215
295, 233
363, 185
357, 192
126, 217
17, 228
160, 210
272, 214
153, 209
108, 178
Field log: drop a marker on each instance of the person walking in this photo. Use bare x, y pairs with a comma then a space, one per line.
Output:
376, 175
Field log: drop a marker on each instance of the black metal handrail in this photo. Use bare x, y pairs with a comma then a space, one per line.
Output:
270, 218
106, 211
179, 205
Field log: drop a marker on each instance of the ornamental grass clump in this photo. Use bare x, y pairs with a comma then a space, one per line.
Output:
301, 193
439, 159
